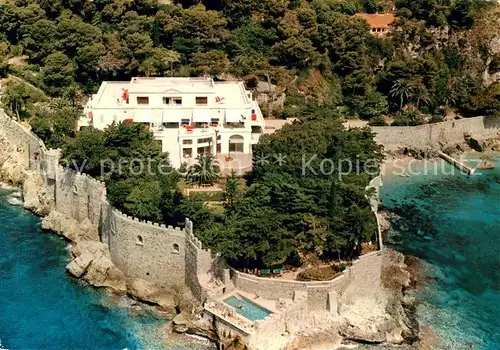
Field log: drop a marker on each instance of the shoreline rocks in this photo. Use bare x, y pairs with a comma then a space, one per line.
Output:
151, 294
71, 229
92, 263
38, 198
485, 165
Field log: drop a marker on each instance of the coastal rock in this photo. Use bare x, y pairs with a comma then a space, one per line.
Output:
485, 165
12, 166
180, 323
38, 198
200, 326
92, 263
366, 320
395, 336
96, 248
494, 145
149, 293
79, 266
367, 330
384, 221
103, 273
69, 228
85, 253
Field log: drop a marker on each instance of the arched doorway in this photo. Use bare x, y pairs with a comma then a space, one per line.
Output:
236, 143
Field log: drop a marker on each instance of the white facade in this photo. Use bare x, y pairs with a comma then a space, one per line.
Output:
191, 116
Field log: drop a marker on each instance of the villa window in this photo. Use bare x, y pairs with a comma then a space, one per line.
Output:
185, 121
142, 100
167, 100
187, 142
201, 100
177, 100
205, 140
139, 240
203, 150
187, 152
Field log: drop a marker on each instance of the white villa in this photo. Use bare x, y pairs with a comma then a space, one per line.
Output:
191, 116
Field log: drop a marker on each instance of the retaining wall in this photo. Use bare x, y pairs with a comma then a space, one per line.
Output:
276, 288
30, 148
317, 292
450, 132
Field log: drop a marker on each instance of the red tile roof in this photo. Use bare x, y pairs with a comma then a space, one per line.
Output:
379, 20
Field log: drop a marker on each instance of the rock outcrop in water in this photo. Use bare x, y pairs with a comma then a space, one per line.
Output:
92, 262
70, 228
149, 293
378, 314
12, 164
38, 197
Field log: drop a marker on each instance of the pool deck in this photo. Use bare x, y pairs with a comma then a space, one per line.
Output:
230, 315
264, 303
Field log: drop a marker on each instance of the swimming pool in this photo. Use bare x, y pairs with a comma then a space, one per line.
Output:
247, 308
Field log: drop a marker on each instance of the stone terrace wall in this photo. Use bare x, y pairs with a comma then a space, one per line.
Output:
290, 320
202, 267
316, 292
368, 264
23, 142
276, 288
395, 137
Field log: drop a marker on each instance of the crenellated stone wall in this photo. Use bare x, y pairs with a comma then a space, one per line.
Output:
166, 256
145, 250
78, 197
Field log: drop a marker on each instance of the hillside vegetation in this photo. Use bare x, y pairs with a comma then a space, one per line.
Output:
435, 59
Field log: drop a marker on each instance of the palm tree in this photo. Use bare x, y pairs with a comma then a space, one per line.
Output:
205, 171
402, 89
421, 94
71, 94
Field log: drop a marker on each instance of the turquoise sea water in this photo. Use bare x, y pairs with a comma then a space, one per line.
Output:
41, 307
452, 223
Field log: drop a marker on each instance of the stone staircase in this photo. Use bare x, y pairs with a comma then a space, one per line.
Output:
343, 287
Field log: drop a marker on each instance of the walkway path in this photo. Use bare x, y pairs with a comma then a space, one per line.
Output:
460, 165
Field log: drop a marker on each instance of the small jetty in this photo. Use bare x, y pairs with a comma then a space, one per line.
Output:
458, 164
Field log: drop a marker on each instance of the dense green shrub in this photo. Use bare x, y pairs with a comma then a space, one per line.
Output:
377, 121
436, 119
